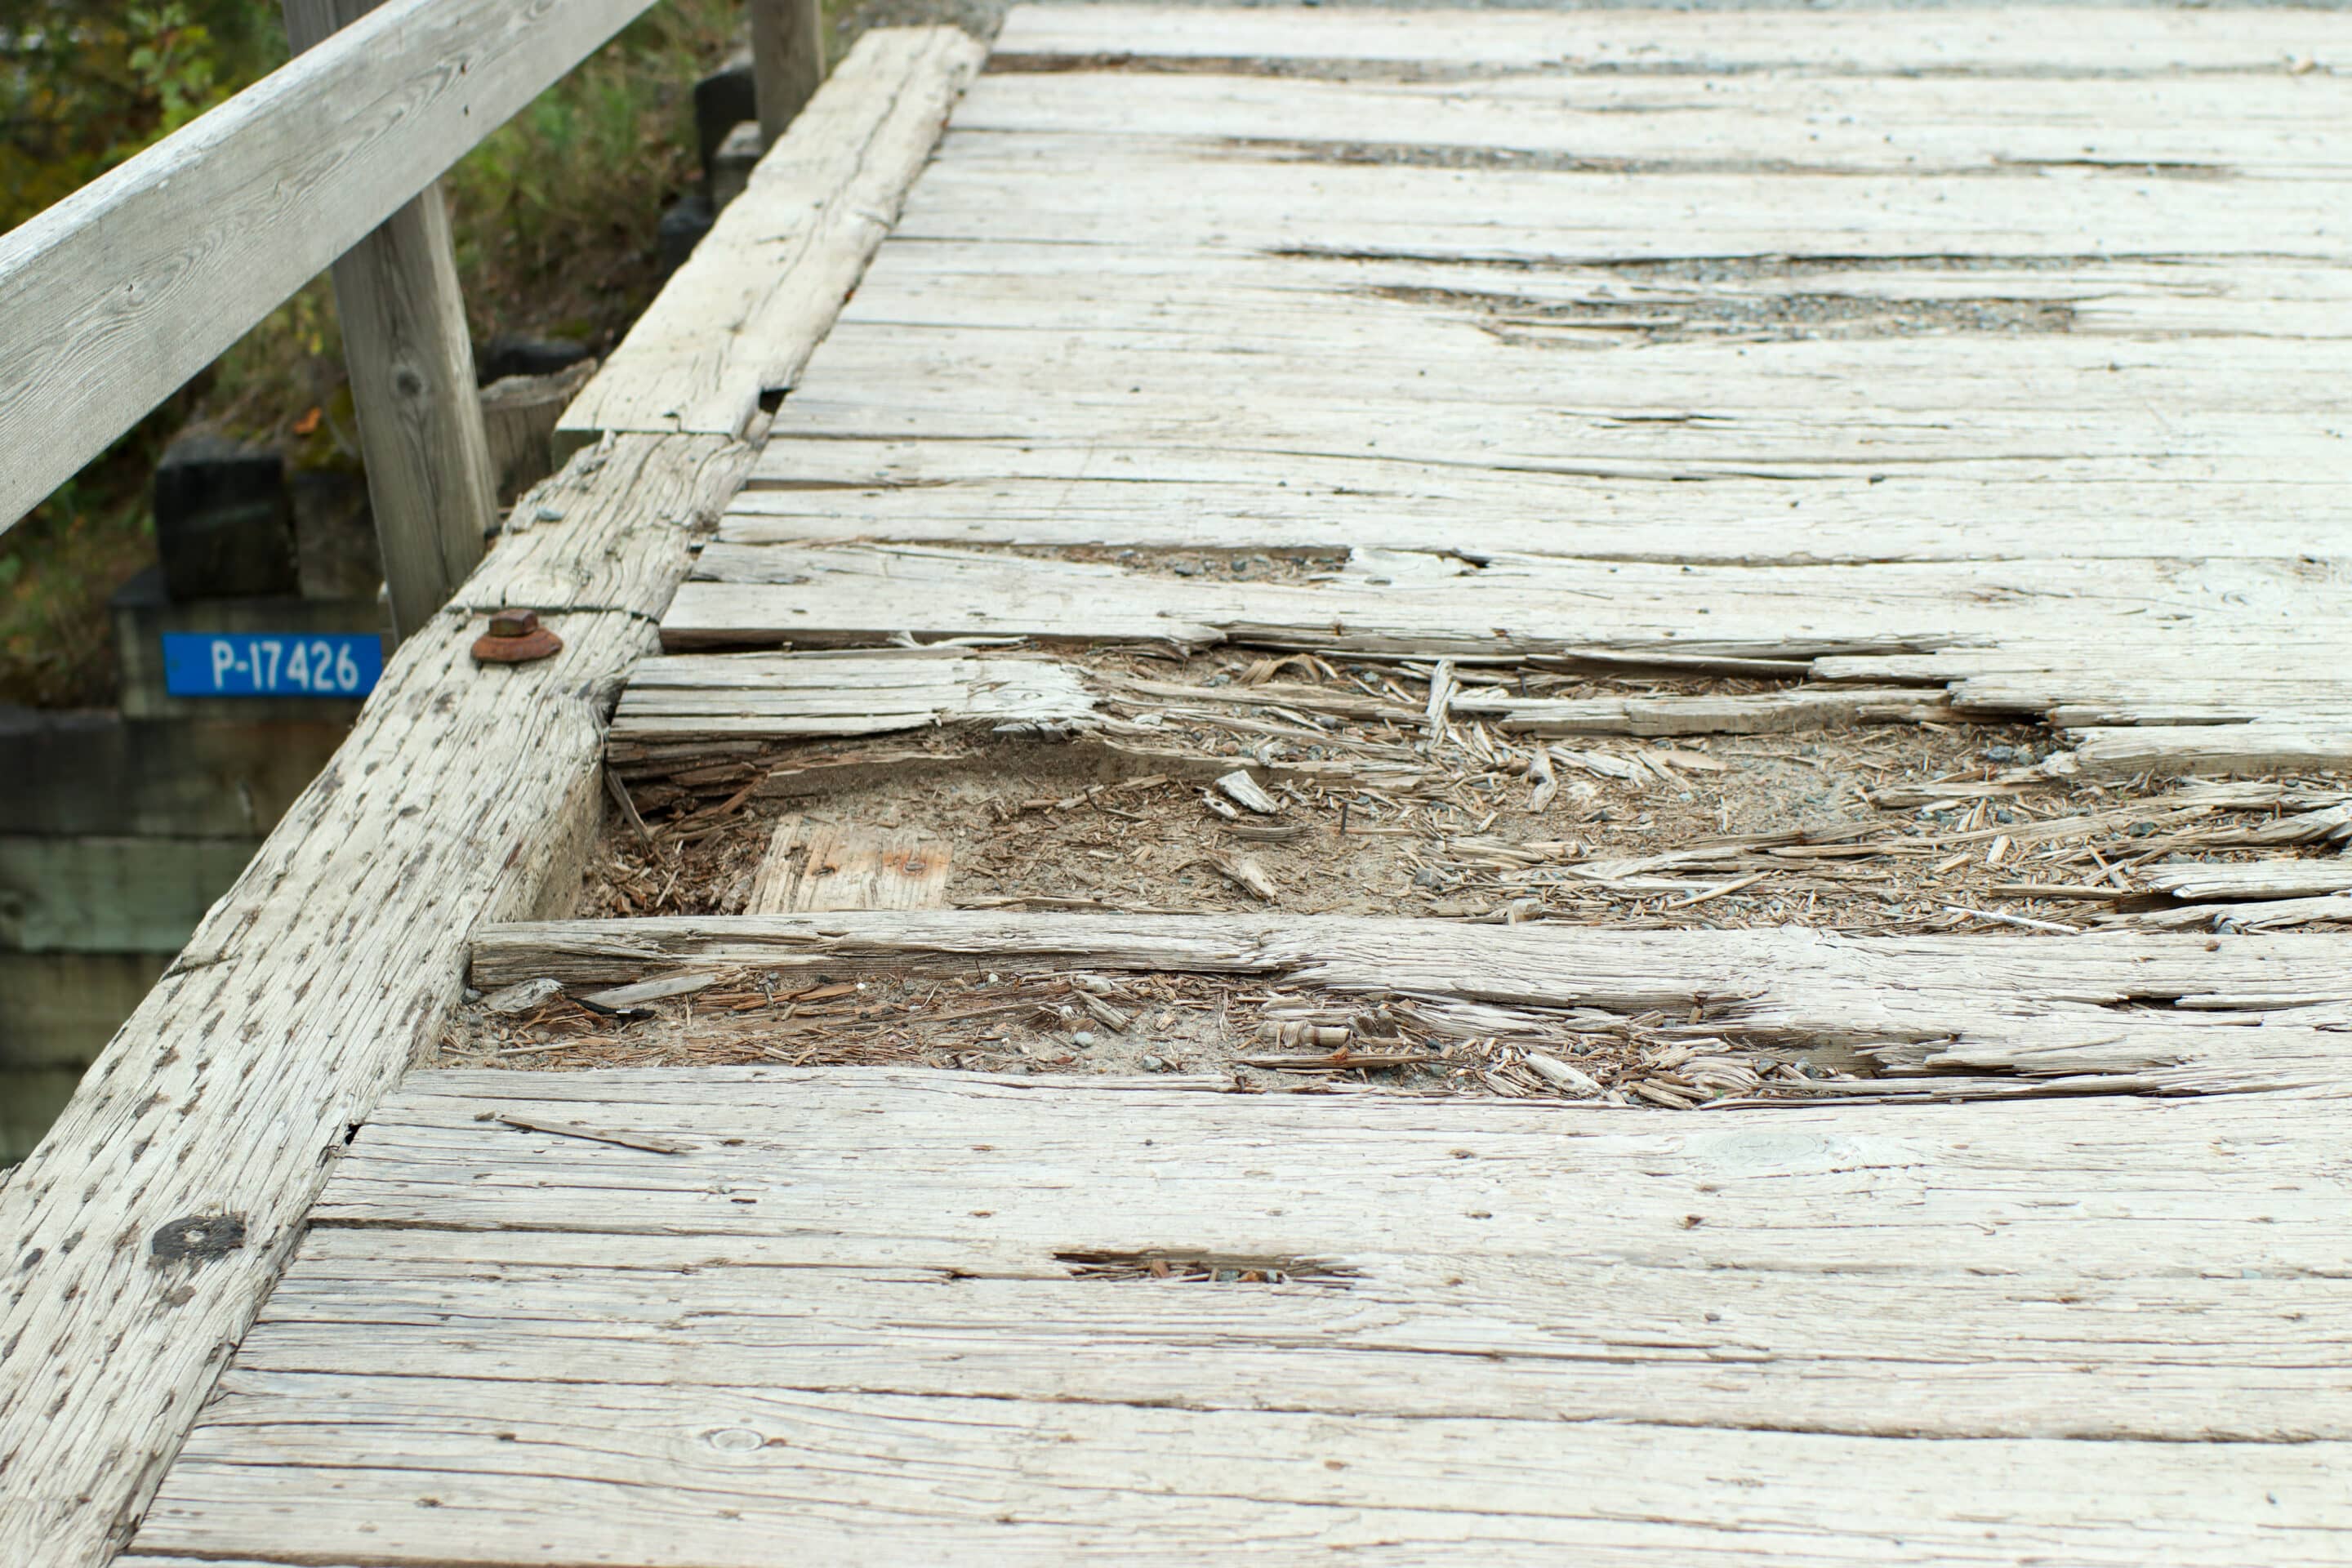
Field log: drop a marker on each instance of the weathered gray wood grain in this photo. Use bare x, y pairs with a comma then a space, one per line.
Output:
845, 1316
2045, 42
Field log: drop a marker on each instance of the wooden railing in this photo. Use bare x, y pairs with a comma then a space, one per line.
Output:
114, 298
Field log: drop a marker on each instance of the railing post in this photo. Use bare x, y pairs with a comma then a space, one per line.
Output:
787, 60
412, 368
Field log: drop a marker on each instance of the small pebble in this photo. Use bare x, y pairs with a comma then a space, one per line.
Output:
1082, 1040
1153, 1064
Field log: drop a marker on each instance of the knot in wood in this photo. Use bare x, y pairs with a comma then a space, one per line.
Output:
197, 1239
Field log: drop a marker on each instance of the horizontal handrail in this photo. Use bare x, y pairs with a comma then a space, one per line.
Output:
112, 299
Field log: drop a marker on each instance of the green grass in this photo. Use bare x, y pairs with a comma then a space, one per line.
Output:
553, 216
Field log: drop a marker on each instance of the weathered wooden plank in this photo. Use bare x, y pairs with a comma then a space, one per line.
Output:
685, 698
1164, 192
1936, 1015
1787, 1182
684, 706
2010, 405
123, 290
2070, 640
1933, 615
410, 1470
2258, 747
814, 865
1631, 1324
1750, 713
983, 491
2252, 879
1496, 1293
2046, 41
1303, 293
742, 315
2269, 914
2232, 126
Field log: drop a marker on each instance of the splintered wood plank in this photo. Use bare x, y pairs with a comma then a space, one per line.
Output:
673, 704
2252, 880
825, 866
1940, 1016
1504, 1328
1908, 622
1747, 713
2073, 641
742, 316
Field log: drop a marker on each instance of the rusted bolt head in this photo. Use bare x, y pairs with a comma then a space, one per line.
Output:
515, 637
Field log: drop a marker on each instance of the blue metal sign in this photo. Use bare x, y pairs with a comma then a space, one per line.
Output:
271, 664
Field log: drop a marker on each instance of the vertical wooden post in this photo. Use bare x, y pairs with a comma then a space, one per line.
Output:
412, 369
787, 60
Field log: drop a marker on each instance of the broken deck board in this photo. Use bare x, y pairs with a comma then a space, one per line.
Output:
1503, 1319
672, 703
1938, 1015
2092, 644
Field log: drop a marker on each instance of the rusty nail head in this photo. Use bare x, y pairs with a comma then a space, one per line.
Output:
515, 637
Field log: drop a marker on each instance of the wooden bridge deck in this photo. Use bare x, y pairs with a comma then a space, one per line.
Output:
1196, 1063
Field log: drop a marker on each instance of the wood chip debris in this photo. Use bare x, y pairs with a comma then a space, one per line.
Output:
1246, 793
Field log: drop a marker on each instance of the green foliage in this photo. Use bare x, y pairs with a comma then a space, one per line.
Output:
83, 87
